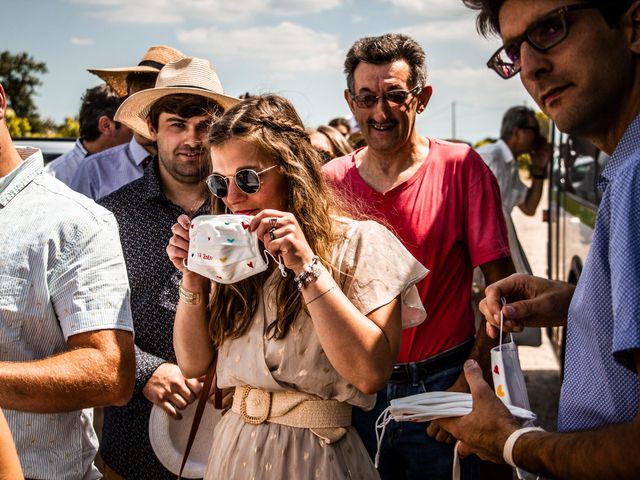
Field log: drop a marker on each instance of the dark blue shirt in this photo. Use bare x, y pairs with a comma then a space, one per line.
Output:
601, 384
145, 217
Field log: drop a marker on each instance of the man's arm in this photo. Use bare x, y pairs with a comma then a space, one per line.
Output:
97, 370
609, 452
540, 157
9, 462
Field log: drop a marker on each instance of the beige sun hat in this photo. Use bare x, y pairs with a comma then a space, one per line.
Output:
169, 437
152, 62
192, 76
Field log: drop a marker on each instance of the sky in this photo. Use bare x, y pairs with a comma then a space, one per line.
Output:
295, 48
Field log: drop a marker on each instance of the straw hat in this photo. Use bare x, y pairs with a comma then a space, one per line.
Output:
152, 62
192, 76
168, 438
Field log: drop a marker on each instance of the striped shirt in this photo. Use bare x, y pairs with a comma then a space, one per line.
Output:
62, 273
66, 165
104, 172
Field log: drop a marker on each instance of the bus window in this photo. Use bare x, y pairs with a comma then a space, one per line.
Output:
573, 203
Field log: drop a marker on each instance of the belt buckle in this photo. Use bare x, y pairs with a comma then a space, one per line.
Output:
265, 400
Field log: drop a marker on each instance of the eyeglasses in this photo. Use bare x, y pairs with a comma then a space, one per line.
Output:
542, 35
247, 180
393, 97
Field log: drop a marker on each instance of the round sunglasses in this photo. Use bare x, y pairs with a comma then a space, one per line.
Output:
247, 180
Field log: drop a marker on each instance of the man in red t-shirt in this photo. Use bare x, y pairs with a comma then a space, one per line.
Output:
444, 204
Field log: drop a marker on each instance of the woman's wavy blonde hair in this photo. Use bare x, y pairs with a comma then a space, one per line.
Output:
271, 123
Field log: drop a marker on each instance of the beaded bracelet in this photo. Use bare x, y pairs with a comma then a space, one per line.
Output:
310, 273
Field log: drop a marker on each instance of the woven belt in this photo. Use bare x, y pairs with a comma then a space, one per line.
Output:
325, 418
415, 372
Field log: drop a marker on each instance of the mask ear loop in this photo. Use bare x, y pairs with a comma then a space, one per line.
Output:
504, 302
283, 269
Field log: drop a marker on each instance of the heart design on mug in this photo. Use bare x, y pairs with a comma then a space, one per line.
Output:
244, 225
500, 391
496, 370
250, 264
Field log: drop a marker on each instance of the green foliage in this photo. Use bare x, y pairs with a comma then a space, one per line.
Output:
70, 128
19, 77
18, 126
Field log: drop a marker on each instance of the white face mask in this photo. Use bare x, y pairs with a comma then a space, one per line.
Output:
222, 248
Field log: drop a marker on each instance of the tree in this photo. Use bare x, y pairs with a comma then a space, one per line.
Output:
19, 77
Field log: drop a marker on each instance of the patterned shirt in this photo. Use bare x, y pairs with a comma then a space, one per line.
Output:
106, 171
61, 273
601, 385
145, 216
65, 166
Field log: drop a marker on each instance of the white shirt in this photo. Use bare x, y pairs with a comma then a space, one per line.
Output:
65, 166
500, 160
106, 171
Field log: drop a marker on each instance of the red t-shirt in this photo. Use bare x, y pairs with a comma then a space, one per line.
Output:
449, 216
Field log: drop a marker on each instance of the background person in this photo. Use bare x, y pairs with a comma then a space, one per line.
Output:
519, 134
107, 171
329, 142
565, 54
98, 131
324, 345
342, 125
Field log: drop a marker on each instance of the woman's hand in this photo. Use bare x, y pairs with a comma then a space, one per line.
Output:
282, 236
178, 247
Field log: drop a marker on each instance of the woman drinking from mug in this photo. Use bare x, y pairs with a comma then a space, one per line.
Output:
299, 349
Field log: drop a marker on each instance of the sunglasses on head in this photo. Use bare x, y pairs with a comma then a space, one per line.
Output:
247, 180
542, 35
393, 97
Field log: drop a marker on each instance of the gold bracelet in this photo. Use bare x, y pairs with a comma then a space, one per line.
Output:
187, 296
323, 293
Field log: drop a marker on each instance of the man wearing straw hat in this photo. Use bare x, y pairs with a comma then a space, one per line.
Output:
106, 171
177, 119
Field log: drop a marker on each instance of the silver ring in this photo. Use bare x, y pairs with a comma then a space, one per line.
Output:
272, 235
273, 222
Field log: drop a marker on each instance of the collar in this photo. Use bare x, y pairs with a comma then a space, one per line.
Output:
81, 148
507, 154
138, 152
151, 188
17, 180
625, 148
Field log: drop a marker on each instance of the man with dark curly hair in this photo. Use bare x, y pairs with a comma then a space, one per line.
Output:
580, 61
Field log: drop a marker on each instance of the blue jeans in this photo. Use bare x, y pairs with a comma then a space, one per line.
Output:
407, 452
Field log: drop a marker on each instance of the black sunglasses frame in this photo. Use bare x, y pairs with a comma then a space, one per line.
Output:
361, 104
509, 70
241, 185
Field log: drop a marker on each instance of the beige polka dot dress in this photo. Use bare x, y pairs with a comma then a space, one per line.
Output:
372, 268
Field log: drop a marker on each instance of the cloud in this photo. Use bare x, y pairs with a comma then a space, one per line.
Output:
449, 30
430, 9
81, 41
285, 48
177, 12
